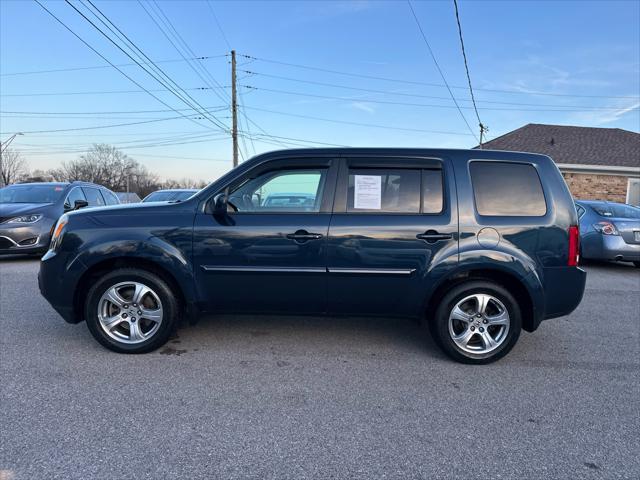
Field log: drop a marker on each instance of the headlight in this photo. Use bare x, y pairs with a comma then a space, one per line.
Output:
33, 218
58, 231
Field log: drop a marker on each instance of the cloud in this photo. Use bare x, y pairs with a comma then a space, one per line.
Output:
609, 116
363, 106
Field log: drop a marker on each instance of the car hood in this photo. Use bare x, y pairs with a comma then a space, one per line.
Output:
8, 210
126, 209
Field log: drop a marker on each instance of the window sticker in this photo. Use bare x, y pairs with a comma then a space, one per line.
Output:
368, 192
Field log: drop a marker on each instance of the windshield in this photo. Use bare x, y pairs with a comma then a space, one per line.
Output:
167, 196
618, 211
31, 193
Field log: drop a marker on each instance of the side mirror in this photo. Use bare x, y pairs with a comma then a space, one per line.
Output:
78, 204
220, 205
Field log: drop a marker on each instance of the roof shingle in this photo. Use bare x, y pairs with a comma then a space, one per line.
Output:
575, 145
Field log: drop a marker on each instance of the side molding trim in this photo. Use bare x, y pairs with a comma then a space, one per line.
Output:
373, 271
348, 271
215, 268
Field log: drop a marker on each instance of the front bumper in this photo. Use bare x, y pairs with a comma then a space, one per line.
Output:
22, 239
609, 247
57, 281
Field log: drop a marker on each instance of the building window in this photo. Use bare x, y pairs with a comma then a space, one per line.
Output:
633, 191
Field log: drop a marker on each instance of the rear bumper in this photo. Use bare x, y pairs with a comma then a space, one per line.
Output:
609, 247
57, 282
563, 290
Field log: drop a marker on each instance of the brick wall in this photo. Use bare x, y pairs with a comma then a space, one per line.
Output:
590, 186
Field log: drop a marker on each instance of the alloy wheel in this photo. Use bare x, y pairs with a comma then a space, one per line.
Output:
479, 323
130, 312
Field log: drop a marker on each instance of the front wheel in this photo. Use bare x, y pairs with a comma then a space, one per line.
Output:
477, 322
131, 311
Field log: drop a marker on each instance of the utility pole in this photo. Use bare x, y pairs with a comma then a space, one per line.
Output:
234, 109
483, 129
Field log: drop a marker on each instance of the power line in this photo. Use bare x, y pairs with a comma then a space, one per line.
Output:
359, 124
387, 102
174, 32
77, 129
414, 82
171, 138
99, 92
134, 146
243, 113
417, 95
113, 65
97, 67
303, 140
209, 109
191, 102
424, 37
483, 129
213, 14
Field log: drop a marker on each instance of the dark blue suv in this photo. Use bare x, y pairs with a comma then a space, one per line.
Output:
477, 244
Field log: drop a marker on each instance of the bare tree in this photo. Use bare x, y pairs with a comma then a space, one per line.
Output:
12, 167
102, 164
106, 165
184, 183
142, 181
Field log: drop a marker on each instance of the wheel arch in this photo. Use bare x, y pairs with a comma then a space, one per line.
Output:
100, 268
514, 283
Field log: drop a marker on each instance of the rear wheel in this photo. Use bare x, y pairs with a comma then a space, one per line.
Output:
131, 311
477, 322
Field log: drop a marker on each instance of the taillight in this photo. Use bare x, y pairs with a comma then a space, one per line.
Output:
574, 246
606, 228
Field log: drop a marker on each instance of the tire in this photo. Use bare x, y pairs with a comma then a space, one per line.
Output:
136, 328
636, 264
478, 349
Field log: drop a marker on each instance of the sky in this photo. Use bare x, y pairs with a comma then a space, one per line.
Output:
310, 73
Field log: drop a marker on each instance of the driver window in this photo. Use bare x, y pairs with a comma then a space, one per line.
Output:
75, 194
281, 191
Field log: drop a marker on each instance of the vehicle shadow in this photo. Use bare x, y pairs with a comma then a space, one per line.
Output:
296, 335
605, 263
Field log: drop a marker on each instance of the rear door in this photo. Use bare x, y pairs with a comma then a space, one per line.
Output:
393, 219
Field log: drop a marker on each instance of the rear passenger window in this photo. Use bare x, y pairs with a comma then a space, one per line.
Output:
432, 194
110, 198
384, 190
507, 189
93, 197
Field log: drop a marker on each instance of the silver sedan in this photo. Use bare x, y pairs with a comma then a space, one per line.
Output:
609, 231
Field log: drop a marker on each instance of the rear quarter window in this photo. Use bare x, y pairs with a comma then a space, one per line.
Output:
110, 197
507, 189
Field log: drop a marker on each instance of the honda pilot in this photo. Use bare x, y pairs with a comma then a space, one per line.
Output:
476, 244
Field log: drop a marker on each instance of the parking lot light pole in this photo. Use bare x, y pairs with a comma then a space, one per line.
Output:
3, 147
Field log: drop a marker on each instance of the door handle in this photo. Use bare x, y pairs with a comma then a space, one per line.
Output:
431, 236
303, 236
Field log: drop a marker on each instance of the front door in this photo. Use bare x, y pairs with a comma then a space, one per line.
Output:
268, 254
393, 219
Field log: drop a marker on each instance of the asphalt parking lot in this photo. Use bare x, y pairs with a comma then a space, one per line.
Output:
247, 397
